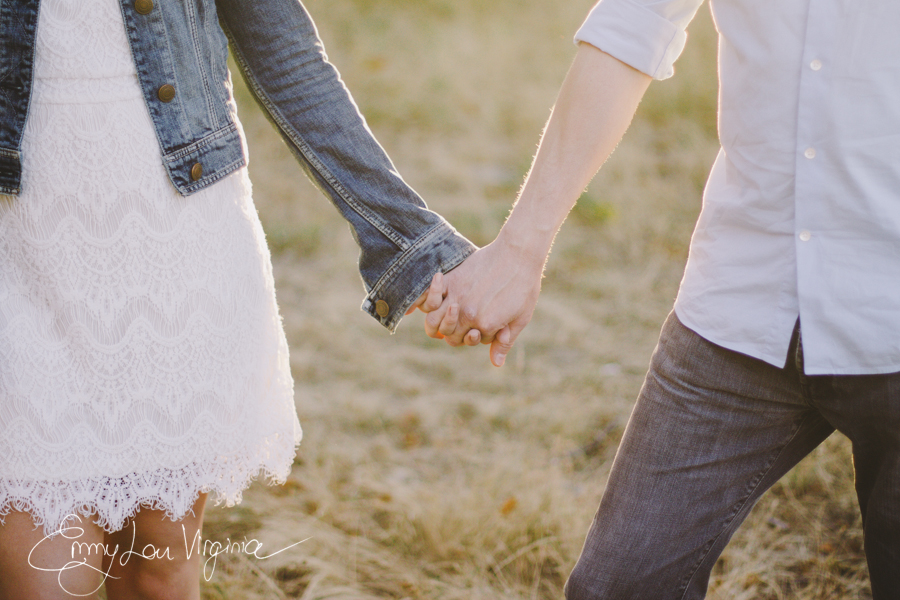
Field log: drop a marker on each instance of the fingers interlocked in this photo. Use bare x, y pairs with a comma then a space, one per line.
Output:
447, 320
444, 321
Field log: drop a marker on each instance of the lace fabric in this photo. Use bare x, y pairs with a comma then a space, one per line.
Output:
142, 357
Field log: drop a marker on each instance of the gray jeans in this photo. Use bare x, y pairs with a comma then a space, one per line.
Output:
711, 431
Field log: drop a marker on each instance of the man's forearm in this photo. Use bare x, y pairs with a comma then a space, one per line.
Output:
595, 106
497, 288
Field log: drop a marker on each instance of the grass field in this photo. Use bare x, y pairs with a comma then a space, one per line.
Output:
425, 473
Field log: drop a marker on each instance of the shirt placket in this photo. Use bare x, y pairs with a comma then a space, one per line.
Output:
811, 158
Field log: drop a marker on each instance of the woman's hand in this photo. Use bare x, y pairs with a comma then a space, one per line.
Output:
431, 298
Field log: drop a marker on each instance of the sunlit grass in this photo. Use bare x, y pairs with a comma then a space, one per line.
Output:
424, 472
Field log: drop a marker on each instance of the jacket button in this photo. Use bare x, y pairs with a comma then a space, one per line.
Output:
196, 172
143, 7
166, 93
382, 308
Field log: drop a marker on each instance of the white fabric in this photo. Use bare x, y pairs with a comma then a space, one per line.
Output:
801, 213
611, 26
142, 358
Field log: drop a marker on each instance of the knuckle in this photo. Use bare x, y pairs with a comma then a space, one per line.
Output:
491, 326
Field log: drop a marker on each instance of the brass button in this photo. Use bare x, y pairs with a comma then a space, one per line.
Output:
197, 173
166, 93
382, 308
143, 7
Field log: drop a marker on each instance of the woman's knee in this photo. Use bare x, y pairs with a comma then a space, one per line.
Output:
149, 582
35, 565
161, 567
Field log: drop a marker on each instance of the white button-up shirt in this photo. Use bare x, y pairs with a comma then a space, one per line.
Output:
801, 213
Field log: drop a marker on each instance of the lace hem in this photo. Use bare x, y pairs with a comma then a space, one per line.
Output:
110, 502
142, 357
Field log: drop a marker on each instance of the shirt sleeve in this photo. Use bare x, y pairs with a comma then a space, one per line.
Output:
647, 35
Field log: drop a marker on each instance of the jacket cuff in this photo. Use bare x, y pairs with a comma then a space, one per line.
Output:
441, 249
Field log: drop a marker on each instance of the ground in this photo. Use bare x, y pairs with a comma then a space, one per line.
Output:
424, 471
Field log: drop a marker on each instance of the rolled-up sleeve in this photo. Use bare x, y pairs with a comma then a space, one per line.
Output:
645, 34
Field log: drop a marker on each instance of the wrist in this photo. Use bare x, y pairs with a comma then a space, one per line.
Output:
529, 241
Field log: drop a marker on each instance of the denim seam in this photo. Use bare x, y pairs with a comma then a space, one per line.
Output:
176, 155
361, 209
310, 156
28, 102
404, 257
143, 69
219, 174
383, 281
739, 506
199, 147
204, 76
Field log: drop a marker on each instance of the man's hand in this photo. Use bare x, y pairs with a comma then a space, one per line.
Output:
489, 298
492, 295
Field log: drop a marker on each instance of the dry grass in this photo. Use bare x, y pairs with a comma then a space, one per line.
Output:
425, 472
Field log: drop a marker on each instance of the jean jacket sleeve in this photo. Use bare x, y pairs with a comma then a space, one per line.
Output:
402, 243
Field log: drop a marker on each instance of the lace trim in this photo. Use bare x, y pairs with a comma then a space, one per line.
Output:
112, 501
142, 358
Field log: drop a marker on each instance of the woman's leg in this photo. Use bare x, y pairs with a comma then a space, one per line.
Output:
35, 566
168, 573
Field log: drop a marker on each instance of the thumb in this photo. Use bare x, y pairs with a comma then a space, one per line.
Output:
500, 347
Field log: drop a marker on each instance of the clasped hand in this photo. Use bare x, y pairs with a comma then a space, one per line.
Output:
488, 299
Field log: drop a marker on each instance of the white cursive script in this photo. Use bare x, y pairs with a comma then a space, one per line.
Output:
202, 547
212, 550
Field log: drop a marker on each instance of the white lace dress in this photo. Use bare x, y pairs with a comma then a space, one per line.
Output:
142, 357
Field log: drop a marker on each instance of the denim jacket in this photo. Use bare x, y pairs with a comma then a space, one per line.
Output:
180, 48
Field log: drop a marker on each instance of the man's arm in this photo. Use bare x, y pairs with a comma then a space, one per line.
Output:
496, 289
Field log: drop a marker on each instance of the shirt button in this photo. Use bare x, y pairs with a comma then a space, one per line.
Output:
810, 153
382, 308
815, 65
196, 172
805, 235
166, 93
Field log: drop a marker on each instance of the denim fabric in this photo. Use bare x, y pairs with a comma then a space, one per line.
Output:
184, 43
711, 431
